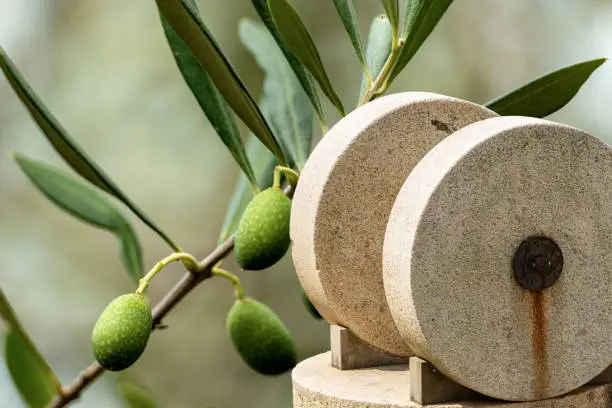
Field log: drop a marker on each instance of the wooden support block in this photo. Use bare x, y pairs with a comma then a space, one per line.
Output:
348, 352
430, 386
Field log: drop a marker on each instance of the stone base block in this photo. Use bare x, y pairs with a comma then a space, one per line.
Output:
430, 386
349, 353
316, 384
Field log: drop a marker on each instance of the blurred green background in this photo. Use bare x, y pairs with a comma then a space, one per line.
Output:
104, 69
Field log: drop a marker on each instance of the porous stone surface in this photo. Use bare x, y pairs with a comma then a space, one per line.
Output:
343, 199
316, 384
451, 237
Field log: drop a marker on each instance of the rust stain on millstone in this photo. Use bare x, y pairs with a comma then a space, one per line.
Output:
539, 342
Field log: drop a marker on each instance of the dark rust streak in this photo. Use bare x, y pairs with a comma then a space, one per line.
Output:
539, 340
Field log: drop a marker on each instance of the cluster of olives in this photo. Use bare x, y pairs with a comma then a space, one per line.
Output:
122, 331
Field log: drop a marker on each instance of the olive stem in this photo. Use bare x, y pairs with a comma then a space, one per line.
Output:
324, 128
216, 270
292, 176
382, 83
190, 262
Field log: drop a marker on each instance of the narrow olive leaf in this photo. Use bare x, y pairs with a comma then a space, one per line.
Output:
136, 397
184, 18
410, 12
261, 6
130, 251
263, 165
380, 40
289, 108
210, 100
392, 11
423, 17
32, 375
66, 147
547, 94
8, 314
86, 203
346, 11
294, 33
30, 378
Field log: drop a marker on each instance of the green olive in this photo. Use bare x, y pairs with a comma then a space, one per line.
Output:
260, 337
122, 331
262, 237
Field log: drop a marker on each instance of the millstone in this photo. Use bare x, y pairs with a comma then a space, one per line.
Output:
497, 258
344, 197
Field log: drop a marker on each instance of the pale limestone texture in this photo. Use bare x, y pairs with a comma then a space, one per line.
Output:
453, 231
316, 384
344, 197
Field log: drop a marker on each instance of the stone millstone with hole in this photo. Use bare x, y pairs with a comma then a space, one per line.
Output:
497, 259
344, 197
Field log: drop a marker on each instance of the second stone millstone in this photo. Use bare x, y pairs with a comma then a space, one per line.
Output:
262, 237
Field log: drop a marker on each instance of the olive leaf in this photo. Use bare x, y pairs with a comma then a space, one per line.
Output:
86, 203
288, 106
30, 372
33, 383
66, 147
209, 98
546, 94
184, 18
263, 165
422, 16
346, 11
380, 40
294, 33
136, 397
392, 10
261, 7
410, 14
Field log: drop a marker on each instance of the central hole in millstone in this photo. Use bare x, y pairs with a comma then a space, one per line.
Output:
541, 264
537, 263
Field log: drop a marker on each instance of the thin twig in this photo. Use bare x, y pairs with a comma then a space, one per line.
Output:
187, 283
